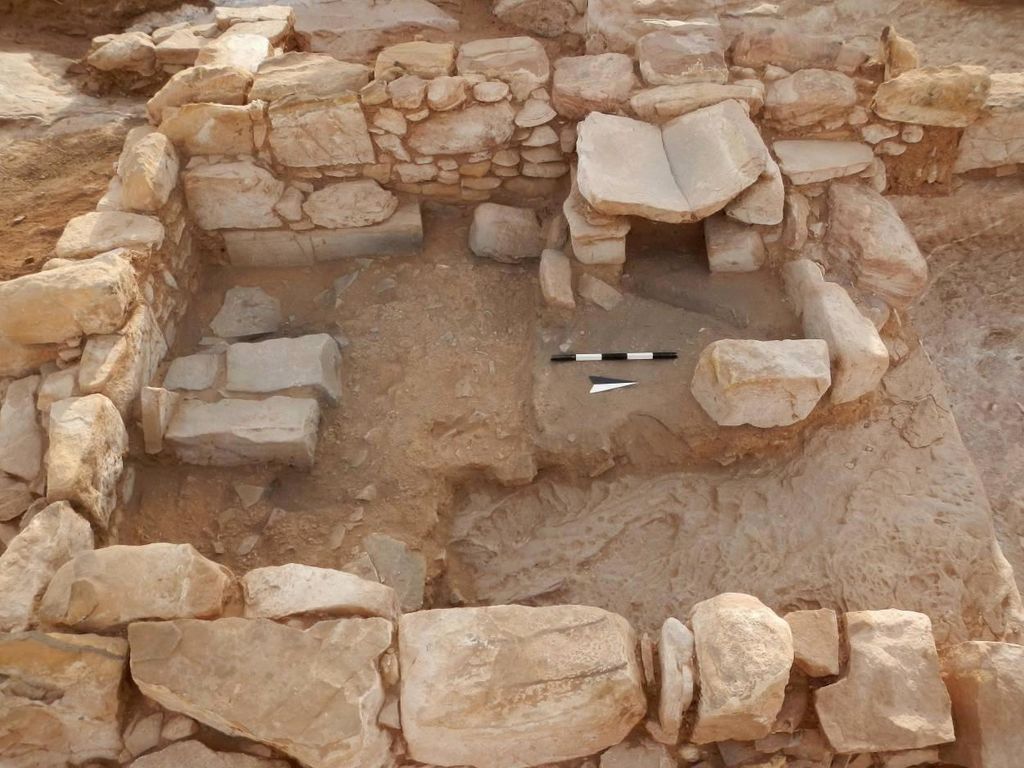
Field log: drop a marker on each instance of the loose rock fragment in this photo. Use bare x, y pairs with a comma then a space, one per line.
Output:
398, 567
505, 233
732, 246
584, 84
22, 439
675, 659
278, 592
815, 641
948, 96
556, 279
195, 754
246, 312
350, 204
597, 291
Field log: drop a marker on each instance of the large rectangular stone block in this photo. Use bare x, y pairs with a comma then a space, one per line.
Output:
312, 362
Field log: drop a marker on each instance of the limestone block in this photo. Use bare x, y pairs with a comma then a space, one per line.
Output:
986, 684
867, 235
148, 173
744, 655
128, 52
556, 279
808, 161
350, 204
762, 383
667, 101
859, 356
596, 291
465, 671
584, 84
232, 432
675, 661
274, 30
18, 360
417, 57
51, 538
219, 85
60, 701
106, 589
84, 461
312, 75
193, 372
76, 299
815, 641
596, 238
692, 53
158, 406
15, 498
277, 592
57, 385
809, 96
100, 231
195, 754
311, 361
892, 696
211, 129
246, 312
732, 246
505, 233
950, 96
616, 25
238, 195
180, 47
785, 47
542, 17
407, 91
243, 51
120, 364
764, 201
444, 93
306, 133
997, 137
241, 675
21, 437
399, 567
229, 17
490, 91
798, 278
477, 128
503, 58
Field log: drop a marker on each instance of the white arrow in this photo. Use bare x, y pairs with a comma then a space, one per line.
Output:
604, 384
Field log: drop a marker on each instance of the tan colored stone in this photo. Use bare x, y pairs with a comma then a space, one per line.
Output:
180, 47
732, 246
238, 195
617, 25
417, 57
100, 231
212, 129
892, 696
474, 129
444, 93
463, 703
220, 85
584, 84
815, 641
149, 173
597, 291
407, 91
744, 655
947, 96
809, 96
128, 52
639, 754
764, 201
311, 75
157, 407
17, 360
547, 18
278, 592
246, 311
556, 279
84, 461
306, 133
505, 233
22, 439
785, 47
502, 58
310, 362
692, 53
808, 161
51, 538
350, 204
997, 137
490, 91
898, 54
60, 700
675, 660
667, 101
243, 51
241, 675
986, 684
15, 498
762, 383
194, 372
195, 754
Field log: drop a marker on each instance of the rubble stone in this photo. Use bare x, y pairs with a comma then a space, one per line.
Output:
238, 195
106, 589
313, 75
556, 279
584, 84
504, 57
243, 51
15, 498
217, 85
892, 696
764, 201
807, 161
356, 203
947, 96
445, 93
158, 406
997, 137
785, 47
667, 101
195, 754
744, 655
51, 538
277, 592
417, 57
762, 383
101, 231
306, 132
641, 754
128, 52
148, 174
597, 291
732, 246
398, 567
675, 659
542, 17
463, 702
477, 128
21, 437
505, 233
246, 312
809, 96
689, 54
815, 641
212, 129
311, 361
241, 676
193, 372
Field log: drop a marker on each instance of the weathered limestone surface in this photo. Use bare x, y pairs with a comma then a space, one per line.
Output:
275, 364
547, 18
18, 360
744, 655
131, 51
246, 311
763, 383
615, 25
667, 101
15, 498
637, 754
503, 58
509, 686
732, 246
22, 439
786, 47
306, 132
689, 53
233, 432
105, 589
556, 279
88, 297
238, 195
675, 660
350, 204
217, 85
596, 237
892, 696
212, 129
84, 461
195, 754
157, 407
314, 695
867, 235
193, 372
996, 138
505, 233
236, 50
312, 75
815, 641
52, 537
986, 683
809, 96
399, 567
277, 592
764, 201
584, 84
59, 703
101, 231
807, 161
417, 57
947, 96
148, 173
474, 129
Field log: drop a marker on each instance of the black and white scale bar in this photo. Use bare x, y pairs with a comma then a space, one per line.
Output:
593, 357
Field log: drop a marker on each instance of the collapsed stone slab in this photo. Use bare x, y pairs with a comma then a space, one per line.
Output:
744, 655
892, 696
233, 432
505, 233
808, 161
85, 458
314, 695
101, 231
106, 589
664, 102
51, 538
948, 96
762, 383
534, 685
996, 138
312, 362
278, 592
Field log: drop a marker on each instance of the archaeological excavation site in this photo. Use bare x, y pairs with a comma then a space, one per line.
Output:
511, 383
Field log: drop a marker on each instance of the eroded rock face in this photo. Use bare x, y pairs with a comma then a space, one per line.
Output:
744, 655
948, 96
280, 591
327, 131
59, 701
314, 695
986, 684
762, 383
350, 204
104, 589
510, 686
51, 538
892, 696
